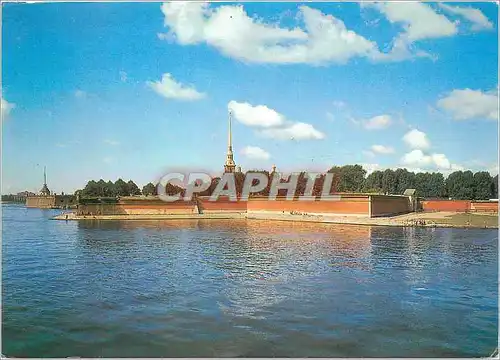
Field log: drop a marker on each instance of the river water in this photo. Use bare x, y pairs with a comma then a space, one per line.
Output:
234, 288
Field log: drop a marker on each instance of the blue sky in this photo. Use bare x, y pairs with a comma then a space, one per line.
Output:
108, 90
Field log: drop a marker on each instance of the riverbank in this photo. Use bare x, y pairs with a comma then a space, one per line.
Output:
436, 219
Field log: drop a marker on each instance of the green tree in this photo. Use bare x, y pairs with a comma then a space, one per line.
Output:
267, 189
494, 187
90, 189
460, 185
482, 185
301, 184
373, 182
102, 188
348, 178
110, 189
149, 189
213, 184
121, 188
389, 184
239, 180
404, 180
171, 189
436, 185
421, 182
133, 189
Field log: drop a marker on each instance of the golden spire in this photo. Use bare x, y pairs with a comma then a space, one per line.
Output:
229, 165
229, 135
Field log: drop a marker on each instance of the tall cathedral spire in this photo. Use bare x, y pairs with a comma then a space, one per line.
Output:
229, 135
229, 165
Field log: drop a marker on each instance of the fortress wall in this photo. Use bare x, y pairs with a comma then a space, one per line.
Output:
141, 207
98, 209
446, 205
222, 204
65, 201
484, 206
387, 205
347, 205
42, 202
158, 209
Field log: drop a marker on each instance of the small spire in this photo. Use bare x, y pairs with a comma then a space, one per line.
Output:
45, 175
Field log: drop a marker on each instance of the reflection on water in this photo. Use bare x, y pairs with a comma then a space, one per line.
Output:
236, 288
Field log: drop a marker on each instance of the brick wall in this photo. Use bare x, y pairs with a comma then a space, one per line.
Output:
446, 205
355, 205
484, 206
43, 202
139, 207
386, 205
222, 204
348, 204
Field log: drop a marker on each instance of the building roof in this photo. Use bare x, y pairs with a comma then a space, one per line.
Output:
45, 190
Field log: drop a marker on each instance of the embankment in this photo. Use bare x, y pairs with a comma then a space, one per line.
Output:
359, 209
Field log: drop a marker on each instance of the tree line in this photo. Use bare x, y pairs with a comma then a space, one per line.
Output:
460, 185
103, 188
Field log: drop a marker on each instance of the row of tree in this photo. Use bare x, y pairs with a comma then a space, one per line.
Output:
464, 185
103, 188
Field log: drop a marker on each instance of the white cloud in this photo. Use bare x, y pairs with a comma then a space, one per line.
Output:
254, 152
259, 115
419, 22
370, 168
112, 142
416, 139
7, 107
418, 160
475, 16
441, 161
378, 122
470, 104
493, 170
108, 159
456, 167
228, 28
433, 161
170, 89
274, 125
295, 131
381, 149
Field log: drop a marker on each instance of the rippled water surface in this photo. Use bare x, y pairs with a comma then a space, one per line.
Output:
236, 288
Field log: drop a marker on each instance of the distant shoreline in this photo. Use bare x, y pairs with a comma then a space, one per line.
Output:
434, 220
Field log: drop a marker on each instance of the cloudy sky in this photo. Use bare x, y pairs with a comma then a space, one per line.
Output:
129, 90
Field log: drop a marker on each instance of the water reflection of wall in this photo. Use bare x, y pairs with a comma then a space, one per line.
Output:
273, 255
254, 259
